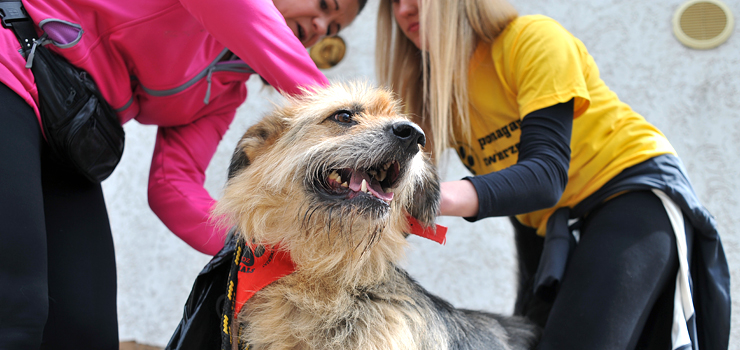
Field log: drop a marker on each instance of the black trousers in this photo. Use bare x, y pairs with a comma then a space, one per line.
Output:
618, 288
57, 263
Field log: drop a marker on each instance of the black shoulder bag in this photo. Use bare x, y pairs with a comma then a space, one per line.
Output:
79, 124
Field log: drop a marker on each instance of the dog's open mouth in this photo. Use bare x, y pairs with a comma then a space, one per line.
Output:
377, 181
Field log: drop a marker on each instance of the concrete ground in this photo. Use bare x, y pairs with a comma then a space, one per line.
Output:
132, 345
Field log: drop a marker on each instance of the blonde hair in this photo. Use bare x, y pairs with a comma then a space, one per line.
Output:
450, 31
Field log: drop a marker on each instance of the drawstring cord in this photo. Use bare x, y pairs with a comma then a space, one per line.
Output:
208, 89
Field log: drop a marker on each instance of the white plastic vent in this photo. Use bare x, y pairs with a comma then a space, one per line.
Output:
703, 24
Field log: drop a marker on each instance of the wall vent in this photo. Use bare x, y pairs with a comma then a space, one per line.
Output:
703, 24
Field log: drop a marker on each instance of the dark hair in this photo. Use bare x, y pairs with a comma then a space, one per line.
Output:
362, 4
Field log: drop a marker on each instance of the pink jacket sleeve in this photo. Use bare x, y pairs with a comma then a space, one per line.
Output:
256, 32
176, 178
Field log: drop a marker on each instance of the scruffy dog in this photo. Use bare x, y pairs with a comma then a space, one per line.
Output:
330, 178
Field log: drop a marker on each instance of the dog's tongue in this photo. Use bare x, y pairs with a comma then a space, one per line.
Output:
355, 184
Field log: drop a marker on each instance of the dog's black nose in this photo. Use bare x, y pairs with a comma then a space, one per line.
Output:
409, 134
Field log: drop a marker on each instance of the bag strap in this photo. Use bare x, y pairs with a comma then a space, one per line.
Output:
15, 17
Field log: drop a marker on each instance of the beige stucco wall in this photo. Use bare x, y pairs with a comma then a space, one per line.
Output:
692, 96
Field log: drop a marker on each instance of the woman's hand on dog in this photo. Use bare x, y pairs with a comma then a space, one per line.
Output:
458, 198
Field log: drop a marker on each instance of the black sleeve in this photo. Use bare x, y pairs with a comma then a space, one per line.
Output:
539, 177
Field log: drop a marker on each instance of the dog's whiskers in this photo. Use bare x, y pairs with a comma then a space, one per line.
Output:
309, 215
345, 218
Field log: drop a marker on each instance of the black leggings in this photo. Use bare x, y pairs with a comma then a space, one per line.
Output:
57, 264
618, 287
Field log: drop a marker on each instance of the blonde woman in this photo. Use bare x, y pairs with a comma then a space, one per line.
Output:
521, 101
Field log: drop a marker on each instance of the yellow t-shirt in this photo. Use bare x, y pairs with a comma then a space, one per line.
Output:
535, 63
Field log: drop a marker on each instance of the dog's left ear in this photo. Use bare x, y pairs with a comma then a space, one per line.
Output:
425, 204
256, 141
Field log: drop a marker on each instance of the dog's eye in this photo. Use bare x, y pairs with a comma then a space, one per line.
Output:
343, 117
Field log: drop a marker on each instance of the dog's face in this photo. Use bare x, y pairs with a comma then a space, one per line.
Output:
337, 167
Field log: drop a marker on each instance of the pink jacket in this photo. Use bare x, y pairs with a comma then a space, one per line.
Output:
165, 63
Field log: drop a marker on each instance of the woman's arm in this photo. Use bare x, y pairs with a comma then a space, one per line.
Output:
176, 178
256, 32
537, 180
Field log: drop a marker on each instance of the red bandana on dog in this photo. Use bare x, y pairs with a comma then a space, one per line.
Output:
260, 266
256, 266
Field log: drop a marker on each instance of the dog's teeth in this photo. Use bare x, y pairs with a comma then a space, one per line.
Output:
344, 184
381, 175
335, 176
363, 186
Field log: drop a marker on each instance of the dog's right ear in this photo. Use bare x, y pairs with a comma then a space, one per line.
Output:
258, 138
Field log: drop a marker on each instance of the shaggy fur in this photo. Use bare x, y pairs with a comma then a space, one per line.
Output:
347, 292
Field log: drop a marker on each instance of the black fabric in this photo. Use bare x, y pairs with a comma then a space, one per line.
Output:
710, 274
57, 263
529, 248
624, 262
709, 271
81, 128
227, 314
540, 175
202, 324
559, 243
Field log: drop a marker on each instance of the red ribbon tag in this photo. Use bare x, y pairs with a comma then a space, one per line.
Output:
437, 233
